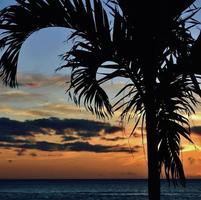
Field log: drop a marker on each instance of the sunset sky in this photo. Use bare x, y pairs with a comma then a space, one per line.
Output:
44, 135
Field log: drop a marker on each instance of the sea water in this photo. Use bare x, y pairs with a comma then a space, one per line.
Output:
93, 190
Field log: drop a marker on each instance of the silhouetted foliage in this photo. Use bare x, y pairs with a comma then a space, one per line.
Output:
148, 43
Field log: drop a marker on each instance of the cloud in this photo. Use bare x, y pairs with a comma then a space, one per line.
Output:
7, 138
11, 128
73, 134
86, 146
43, 110
78, 127
74, 146
19, 95
113, 139
33, 91
69, 138
39, 80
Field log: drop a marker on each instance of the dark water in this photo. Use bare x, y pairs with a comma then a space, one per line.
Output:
93, 190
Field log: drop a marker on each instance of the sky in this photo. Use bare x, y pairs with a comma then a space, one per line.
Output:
44, 135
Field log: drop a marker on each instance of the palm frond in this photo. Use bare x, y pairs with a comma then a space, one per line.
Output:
39, 14
84, 84
175, 101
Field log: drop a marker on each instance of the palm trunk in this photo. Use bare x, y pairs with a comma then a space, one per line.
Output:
152, 143
153, 166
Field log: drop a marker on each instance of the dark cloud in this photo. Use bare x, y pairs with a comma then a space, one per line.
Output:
10, 139
15, 128
80, 127
85, 135
196, 129
70, 130
44, 146
69, 138
7, 138
85, 146
113, 139
74, 146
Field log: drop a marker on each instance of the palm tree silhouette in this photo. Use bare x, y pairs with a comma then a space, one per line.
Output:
150, 44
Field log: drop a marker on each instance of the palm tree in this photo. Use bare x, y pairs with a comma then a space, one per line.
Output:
149, 44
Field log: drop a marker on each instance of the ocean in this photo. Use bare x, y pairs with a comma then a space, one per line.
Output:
93, 190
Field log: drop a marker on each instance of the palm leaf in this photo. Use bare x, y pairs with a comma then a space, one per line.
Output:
176, 100
42, 14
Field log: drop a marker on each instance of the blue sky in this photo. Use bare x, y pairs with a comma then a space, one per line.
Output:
41, 50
